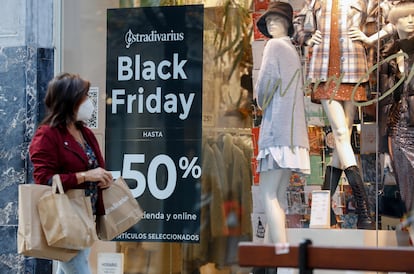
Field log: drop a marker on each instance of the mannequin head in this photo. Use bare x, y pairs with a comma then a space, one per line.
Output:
402, 17
276, 25
282, 10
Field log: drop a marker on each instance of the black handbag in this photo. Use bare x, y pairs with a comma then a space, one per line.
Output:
390, 202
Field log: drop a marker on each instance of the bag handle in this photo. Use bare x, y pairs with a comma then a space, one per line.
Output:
56, 182
311, 4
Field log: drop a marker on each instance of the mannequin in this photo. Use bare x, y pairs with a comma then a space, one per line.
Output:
387, 30
336, 67
386, 71
283, 140
401, 133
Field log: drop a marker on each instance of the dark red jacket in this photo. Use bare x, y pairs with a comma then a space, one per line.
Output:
53, 150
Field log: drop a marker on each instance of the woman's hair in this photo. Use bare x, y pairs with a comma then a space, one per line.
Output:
63, 96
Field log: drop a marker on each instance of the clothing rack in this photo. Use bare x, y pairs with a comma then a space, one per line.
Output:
307, 257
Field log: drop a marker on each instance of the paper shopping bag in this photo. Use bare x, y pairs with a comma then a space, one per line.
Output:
122, 210
30, 238
67, 219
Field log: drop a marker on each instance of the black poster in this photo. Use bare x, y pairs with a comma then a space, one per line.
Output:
153, 116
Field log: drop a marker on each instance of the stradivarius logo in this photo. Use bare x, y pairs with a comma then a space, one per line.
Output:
153, 36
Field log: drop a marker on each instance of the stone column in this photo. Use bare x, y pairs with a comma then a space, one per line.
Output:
26, 65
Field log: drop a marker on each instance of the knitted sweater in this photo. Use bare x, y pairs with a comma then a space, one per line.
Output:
279, 91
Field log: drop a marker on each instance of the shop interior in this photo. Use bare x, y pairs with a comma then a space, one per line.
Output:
233, 48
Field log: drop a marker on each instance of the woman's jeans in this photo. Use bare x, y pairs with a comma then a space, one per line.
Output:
77, 265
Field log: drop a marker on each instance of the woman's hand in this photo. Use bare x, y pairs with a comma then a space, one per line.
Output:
100, 175
316, 39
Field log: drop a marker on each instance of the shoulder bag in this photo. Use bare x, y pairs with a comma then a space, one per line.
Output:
390, 202
309, 23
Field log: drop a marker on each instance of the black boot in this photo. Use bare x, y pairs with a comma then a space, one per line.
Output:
362, 204
331, 181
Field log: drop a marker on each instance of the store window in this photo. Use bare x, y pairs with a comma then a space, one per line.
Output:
232, 55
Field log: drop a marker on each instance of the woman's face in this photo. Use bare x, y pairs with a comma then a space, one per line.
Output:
405, 26
81, 101
276, 25
85, 109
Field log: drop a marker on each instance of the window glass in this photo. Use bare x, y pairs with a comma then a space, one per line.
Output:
379, 132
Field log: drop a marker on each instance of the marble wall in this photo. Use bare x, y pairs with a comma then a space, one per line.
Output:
24, 72
12, 150
26, 65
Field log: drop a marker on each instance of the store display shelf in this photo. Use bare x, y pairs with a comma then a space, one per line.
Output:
333, 251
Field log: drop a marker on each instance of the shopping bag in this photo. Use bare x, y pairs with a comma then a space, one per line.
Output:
122, 210
30, 238
67, 218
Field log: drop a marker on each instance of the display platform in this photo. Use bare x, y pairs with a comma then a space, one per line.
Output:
349, 237
346, 238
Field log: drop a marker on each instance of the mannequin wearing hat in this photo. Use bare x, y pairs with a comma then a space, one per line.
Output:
401, 131
283, 140
336, 67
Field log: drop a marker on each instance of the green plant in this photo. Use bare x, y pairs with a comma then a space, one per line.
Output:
233, 36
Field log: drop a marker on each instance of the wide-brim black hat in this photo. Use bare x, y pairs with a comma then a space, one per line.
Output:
280, 8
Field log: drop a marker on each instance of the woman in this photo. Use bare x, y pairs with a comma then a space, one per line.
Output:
283, 140
338, 73
64, 145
